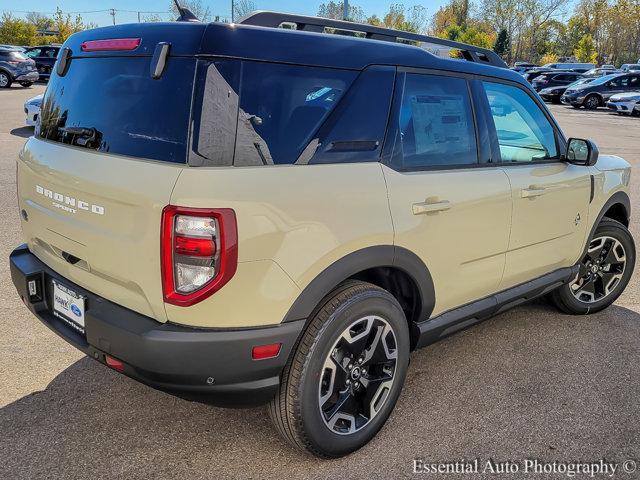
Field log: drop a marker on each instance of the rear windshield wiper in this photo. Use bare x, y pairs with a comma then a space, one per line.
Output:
85, 136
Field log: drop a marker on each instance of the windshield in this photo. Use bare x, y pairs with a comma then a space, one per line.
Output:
582, 81
603, 80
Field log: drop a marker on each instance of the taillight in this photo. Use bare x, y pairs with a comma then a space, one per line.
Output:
110, 45
199, 248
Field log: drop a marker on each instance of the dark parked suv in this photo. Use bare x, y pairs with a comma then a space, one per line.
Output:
15, 67
596, 93
553, 79
44, 56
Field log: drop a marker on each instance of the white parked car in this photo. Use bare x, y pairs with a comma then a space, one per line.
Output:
625, 103
32, 109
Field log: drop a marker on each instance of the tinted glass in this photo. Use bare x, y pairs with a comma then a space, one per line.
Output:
120, 107
215, 112
435, 123
524, 132
282, 107
33, 53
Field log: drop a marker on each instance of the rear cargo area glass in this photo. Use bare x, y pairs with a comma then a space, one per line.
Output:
118, 108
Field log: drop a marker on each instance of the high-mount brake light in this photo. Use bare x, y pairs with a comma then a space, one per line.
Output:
199, 252
109, 45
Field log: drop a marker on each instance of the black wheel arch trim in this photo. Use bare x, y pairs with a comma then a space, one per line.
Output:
617, 198
359, 261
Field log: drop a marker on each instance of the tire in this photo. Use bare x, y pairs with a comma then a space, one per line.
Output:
371, 318
593, 290
5, 79
26, 84
592, 102
577, 107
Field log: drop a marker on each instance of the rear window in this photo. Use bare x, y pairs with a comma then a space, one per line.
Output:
112, 105
255, 113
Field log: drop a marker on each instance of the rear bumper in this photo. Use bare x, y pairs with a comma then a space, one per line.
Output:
214, 366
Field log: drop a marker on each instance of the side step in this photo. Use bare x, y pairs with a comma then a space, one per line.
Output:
447, 323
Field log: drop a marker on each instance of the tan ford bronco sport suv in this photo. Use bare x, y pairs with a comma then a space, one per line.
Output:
247, 214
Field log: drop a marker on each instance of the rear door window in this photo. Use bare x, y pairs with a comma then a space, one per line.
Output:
435, 123
112, 105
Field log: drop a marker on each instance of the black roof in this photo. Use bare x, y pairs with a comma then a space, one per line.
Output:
281, 45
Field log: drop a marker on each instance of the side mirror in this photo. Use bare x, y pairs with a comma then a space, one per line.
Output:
582, 152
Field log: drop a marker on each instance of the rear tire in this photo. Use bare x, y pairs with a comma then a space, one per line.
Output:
346, 373
26, 84
5, 80
605, 271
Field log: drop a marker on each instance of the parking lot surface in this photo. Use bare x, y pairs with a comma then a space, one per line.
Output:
528, 384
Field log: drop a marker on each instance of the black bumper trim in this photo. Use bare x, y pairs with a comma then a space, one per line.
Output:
210, 365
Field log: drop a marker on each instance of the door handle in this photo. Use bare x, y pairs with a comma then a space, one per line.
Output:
533, 191
431, 207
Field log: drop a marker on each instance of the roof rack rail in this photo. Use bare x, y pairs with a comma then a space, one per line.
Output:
318, 25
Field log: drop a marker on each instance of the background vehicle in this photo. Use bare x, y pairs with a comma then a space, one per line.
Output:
630, 67
553, 94
531, 74
625, 103
608, 67
596, 93
32, 109
15, 67
522, 67
149, 250
551, 79
598, 72
44, 56
576, 67
13, 47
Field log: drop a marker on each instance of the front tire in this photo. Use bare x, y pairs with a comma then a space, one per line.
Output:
26, 84
592, 102
346, 374
604, 273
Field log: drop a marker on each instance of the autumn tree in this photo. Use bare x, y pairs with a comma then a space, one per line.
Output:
586, 50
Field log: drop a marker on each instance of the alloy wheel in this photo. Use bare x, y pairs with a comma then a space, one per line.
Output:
357, 375
601, 270
593, 102
4, 80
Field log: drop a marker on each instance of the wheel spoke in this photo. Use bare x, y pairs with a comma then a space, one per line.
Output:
357, 375
600, 271
344, 404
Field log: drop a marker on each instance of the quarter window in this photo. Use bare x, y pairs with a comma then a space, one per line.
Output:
435, 123
282, 107
524, 132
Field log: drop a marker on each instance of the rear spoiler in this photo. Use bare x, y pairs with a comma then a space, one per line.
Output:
319, 25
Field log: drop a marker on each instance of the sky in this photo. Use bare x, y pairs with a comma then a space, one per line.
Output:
218, 7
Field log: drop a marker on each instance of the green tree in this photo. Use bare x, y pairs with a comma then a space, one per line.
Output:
502, 44
15, 31
586, 50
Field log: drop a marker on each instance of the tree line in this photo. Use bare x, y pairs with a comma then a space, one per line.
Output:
39, 29
538, 31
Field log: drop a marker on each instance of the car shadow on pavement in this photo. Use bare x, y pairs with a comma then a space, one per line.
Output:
24, 132
530, 383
